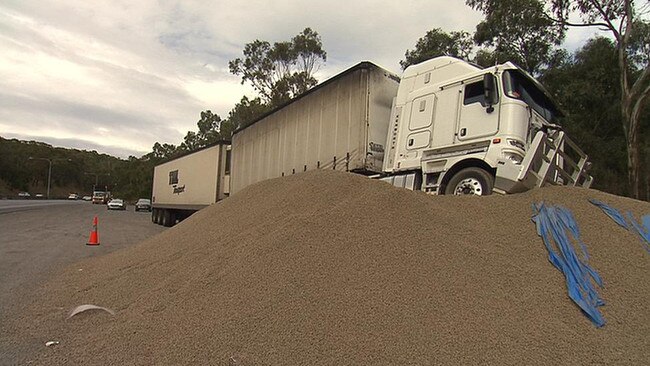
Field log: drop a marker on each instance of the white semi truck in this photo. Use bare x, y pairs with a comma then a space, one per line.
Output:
445, 127
188, 183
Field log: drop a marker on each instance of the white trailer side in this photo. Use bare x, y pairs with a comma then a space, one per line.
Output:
189, 183
340, 124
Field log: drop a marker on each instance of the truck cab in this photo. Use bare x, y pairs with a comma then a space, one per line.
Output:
101, 197
459, 129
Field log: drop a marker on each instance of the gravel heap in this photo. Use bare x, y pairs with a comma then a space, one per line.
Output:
329, 268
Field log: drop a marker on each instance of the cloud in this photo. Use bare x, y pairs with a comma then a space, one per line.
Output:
120, 75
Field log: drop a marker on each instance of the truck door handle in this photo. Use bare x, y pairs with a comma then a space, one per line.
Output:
463, 131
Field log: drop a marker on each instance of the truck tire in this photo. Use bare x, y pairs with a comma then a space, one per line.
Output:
168, 218
154, 216
158, 216
164, 217
470, 181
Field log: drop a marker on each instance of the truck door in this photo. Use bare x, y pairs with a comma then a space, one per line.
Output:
420, 120
475, 120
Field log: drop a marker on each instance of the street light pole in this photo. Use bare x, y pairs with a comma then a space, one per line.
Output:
49, 172
49, 178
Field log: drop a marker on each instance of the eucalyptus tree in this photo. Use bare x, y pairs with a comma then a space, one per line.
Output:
282, 70
437, 42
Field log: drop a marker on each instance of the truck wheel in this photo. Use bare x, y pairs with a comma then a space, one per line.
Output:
168, 218
157, 216
154, 216
470, 181
164, 217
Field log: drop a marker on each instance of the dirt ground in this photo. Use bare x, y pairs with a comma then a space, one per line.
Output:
36, 244
328, 268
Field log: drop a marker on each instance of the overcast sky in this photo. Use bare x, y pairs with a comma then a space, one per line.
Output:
116, 76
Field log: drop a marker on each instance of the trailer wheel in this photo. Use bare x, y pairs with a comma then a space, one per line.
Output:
470, 181
164, 217
154, 216
158, 216
168, 218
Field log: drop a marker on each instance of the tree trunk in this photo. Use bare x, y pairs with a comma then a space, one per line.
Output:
631, 112
633, 164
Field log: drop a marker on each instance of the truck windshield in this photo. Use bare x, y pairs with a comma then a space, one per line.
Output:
519, 86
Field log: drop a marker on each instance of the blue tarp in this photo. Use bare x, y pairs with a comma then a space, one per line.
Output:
611, 212
642, 228
558, 229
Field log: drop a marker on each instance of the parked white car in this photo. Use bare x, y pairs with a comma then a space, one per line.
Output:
116, 204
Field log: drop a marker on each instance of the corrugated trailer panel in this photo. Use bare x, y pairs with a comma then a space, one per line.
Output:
191, 180
330, 127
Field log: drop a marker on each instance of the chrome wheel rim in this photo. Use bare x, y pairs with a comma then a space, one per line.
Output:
469, 186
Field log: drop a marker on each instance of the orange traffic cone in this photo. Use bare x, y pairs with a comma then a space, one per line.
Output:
94, 235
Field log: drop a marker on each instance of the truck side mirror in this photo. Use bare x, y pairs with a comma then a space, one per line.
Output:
490, 91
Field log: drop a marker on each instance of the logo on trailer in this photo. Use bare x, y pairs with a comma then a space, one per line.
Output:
179, 189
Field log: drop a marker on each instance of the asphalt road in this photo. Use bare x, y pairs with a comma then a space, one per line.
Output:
7, 206
40, 238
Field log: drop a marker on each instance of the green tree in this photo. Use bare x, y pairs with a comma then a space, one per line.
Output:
209, 128
190, 142
164, 151
585, 84
518, 31
436, 43
283, 70
621, 20
246, 111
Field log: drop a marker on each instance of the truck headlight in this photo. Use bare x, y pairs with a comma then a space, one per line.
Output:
513, 157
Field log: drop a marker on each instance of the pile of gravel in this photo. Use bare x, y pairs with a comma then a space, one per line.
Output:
336, 269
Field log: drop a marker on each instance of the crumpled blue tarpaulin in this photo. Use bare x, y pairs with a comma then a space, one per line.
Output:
558, 229
641, 228
611, 212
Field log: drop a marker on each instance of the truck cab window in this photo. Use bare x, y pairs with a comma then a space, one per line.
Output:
173, 177
474, 93
518, 86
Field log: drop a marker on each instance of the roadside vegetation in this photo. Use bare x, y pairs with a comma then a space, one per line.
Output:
73, 171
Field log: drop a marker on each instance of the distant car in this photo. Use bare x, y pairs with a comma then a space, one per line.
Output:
143, 204
73, 196
116, 204
87, 198
24, 194
101, 197
39, 195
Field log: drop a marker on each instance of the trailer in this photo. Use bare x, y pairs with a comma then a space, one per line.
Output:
340, 124
188, 183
